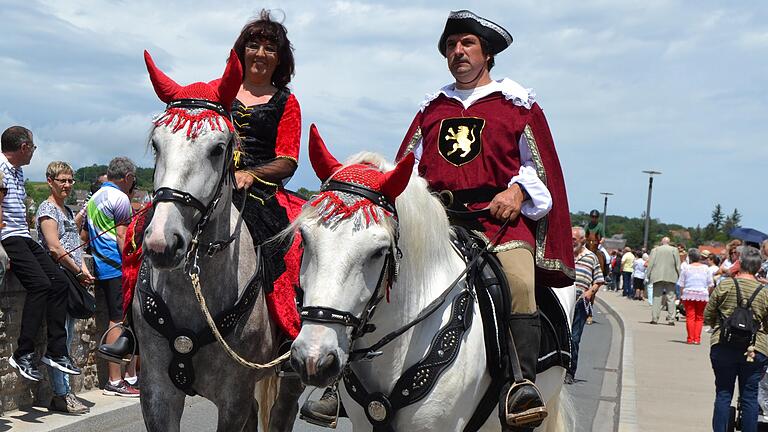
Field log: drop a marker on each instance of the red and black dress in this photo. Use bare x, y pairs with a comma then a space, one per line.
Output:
268, 132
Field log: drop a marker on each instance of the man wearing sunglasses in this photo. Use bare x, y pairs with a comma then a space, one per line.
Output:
45, 284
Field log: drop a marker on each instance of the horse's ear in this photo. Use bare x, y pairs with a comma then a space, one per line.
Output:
230, 82
322, 160
395, 181
165, 87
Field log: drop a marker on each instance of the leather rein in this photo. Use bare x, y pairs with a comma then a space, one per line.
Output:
166, 194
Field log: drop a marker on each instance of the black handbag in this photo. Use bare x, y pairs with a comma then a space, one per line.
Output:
81, 303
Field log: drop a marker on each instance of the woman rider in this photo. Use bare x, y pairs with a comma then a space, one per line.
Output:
267, 118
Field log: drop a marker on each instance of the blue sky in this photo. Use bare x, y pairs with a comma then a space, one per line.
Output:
673, 86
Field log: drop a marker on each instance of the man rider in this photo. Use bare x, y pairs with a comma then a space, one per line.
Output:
594, 233
488, 143
594, 226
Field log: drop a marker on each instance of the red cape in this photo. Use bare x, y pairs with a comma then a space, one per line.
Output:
501, 125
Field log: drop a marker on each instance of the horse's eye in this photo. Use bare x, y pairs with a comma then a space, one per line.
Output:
217, 151
379, 253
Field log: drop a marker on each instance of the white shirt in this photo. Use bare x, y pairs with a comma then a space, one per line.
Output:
14, 209
540, 202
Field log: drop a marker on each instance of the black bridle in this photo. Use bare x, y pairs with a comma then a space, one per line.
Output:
387, 276
166, 194
389, 271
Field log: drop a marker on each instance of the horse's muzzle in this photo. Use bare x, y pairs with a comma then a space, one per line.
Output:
164, 251
314, 370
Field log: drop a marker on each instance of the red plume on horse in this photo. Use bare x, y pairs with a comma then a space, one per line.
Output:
390, 184
222, 91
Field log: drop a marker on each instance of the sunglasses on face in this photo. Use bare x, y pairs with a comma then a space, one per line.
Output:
64, 181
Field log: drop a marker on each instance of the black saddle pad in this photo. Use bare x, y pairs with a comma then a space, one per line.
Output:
494, 300
555, 344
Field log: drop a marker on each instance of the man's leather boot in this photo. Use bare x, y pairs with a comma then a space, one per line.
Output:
323, 412
121, 350
521, 406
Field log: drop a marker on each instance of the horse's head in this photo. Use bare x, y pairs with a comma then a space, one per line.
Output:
350, 246
193, 142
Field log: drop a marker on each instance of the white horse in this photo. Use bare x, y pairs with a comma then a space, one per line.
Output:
342, 263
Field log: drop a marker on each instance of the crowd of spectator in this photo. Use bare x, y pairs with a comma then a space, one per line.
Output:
41, 265
700, 287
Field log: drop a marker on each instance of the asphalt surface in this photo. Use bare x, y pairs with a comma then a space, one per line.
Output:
595, 393
595, 408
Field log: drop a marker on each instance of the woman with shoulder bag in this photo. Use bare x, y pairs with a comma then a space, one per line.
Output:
57, 232
730, 362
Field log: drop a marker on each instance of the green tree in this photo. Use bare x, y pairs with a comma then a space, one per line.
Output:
697, 235
731, 222
718, 218
37, 191
306, 193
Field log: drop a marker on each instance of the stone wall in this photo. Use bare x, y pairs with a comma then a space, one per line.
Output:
17, 392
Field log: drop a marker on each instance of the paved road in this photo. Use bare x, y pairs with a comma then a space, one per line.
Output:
594, 394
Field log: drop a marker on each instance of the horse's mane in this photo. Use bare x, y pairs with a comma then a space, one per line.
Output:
423, 224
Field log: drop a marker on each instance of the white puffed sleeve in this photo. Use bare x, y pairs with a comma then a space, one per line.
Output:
417, 151
540, 202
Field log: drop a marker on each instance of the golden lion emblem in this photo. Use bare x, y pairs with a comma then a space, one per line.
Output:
462, 139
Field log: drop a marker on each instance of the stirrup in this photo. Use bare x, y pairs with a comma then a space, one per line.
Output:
318, 422
121, 361
284, 369
530, 418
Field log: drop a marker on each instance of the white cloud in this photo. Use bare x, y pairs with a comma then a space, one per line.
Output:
754, 39
664, 84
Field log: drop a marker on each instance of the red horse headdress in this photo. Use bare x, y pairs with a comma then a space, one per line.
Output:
220, 91
339, 205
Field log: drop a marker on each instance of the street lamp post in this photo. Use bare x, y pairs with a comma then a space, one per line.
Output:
605, 211
650, 173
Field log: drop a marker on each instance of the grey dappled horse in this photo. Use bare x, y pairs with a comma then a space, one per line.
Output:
199, 165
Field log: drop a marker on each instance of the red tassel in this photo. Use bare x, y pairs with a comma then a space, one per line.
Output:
181, 118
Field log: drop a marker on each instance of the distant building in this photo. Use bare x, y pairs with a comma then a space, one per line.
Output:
681, 235
714, 250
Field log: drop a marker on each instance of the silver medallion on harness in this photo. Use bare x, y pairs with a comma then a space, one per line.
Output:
183, 344
377, 411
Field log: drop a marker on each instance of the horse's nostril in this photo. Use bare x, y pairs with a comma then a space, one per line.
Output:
177, 242
327, 361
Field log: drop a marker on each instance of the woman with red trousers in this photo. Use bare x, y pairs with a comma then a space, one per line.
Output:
696, 284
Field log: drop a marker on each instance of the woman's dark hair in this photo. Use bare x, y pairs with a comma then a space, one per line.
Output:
267, 29
715, 259
750, 260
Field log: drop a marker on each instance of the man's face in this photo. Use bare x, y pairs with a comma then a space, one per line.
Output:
27, 150
594, 218
578, 241
465, 56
